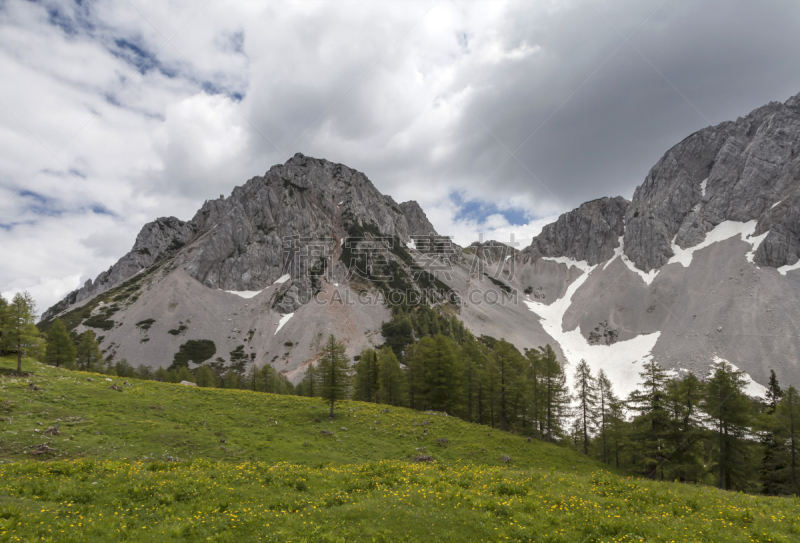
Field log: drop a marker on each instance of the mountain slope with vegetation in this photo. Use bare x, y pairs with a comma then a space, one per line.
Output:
85, 459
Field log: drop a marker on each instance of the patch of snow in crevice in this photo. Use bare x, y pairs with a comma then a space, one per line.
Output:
411, 245
776, 204
284, 320
244, 293
621, 361
789, 267
721, 232
580, 264
756, 242
619, 252
703, 186
282, 279
751, 388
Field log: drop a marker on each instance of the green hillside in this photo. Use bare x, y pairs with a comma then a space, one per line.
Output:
159, 461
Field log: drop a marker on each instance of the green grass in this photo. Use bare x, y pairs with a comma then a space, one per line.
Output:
276, 477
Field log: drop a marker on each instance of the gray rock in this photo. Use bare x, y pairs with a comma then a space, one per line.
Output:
591, 233
745, 166
418, 223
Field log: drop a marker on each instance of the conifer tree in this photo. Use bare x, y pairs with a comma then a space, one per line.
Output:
474, 362
729, 409
308, 385
506, 366
366, 382
651, 425
556, 395
3, 324
20, 334
89, 357
204, 376
333, 372
605, 400
788, 416
534, 379
391, 379
442, 375
773, 394
586, 398
60, 349
686, 432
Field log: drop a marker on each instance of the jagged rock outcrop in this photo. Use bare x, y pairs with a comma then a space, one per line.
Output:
294, 217
744, 170
591, 233
156, 239
418, 223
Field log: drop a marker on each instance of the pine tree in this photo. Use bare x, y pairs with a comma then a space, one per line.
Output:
774, 393
20, 334
204, 376
535, 395
788, 416
60, 349
556, 395
686, 432
333, 372
88, 354
506, 365
308, 385
474, 362
441, 371
586, 398
729, 409
4, 324
391, 379
366, 382
605, 399
651, 426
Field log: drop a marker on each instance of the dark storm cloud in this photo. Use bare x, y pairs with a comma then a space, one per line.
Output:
689, 65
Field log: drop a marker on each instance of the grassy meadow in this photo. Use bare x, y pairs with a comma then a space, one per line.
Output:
165, 462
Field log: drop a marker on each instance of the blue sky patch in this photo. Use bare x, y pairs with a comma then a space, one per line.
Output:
479, 210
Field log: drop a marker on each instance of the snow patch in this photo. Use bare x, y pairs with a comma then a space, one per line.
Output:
284, 320
619, 252
751, 387
721, 232
244, 293
621, 361
789, 267
703, 186
411, 245
776, 204
282, 279
580, 264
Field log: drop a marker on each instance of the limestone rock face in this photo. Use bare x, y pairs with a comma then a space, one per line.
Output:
418, 223
156, 240
264, 230
591, 233
744, 170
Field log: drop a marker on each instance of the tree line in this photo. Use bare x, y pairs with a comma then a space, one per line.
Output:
674, 426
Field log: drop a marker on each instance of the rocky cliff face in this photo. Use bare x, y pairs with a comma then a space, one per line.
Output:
745, 170
247, 241
418, 223
590, 232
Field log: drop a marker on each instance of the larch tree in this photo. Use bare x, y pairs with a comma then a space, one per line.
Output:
651, 425
788, 416
605, 400
555, 392
333, 372
507, 365
89, 357
586, 399
20, 334
60, 349
366, 382
729, 410
391, 379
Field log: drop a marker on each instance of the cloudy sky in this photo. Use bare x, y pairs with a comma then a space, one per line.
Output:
495, 116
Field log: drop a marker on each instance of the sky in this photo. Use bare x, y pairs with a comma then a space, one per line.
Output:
495, 116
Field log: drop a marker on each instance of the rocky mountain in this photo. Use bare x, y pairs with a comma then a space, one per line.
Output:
702, 264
